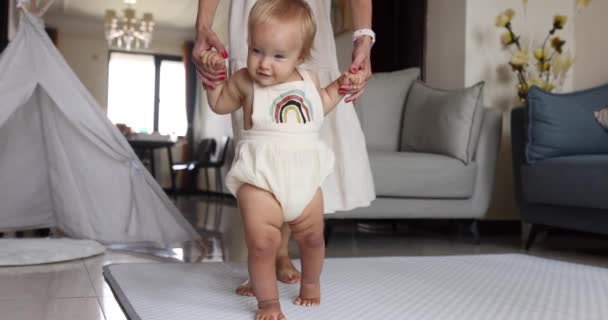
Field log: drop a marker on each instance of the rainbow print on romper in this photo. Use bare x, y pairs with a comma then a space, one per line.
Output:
291, 104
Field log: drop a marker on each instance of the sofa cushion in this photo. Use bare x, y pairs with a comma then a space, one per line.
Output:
381, 106
442, 121
580, 181
565, 124
421, 175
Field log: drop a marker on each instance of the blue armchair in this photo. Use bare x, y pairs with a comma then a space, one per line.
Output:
560, 163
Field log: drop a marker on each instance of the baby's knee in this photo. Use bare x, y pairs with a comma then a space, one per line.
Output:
264, 244
311, 239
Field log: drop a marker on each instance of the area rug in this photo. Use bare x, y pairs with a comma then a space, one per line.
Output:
26, 251
497, 287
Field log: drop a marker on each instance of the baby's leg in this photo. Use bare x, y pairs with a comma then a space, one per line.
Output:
308, 232
286, 271
262, 219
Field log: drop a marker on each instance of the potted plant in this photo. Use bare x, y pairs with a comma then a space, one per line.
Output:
544, 65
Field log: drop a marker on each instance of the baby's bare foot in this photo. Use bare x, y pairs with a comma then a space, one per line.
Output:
269, 310
245, 289
310, 295
286, 272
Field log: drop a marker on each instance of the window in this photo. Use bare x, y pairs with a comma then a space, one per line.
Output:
147, 93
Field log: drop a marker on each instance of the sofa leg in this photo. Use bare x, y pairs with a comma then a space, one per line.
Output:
530, 236
474, 228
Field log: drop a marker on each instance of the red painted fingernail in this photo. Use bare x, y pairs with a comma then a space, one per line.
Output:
222, 78
225, 54
353, 70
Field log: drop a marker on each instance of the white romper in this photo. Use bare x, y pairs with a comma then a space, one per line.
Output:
283, 152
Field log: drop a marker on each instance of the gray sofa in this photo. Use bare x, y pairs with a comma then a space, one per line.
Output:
412, 184
563, 180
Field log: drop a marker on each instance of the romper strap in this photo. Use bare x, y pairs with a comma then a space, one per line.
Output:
305, 74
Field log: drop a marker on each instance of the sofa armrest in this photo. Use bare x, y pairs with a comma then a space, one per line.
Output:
486, 156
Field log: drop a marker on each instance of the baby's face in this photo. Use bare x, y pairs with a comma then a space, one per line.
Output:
274, 52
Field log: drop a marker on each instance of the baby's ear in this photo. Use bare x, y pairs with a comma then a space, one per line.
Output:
302, 59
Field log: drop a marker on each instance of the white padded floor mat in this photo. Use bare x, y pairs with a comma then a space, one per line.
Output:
497, 287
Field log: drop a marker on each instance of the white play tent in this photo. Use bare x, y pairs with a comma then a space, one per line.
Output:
63, 163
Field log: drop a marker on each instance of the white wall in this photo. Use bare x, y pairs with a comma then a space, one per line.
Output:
463, 48
82, 44
591, 66
445, 45
485, 60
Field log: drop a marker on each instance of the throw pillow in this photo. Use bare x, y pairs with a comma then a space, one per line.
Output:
564, 124
443, 121
602, 117
380, 108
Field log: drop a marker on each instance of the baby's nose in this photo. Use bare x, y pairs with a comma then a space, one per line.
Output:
265, 63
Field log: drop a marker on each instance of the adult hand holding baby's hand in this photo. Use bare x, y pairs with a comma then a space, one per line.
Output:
211, 62
206, 40
350, 83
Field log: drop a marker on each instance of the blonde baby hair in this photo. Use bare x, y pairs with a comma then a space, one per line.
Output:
286, 11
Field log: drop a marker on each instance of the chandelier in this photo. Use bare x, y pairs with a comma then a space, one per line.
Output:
127, 31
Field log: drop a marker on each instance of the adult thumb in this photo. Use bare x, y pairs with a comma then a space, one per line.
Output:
357, 62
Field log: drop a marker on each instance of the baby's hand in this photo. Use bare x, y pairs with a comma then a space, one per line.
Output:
212, 61
350, 82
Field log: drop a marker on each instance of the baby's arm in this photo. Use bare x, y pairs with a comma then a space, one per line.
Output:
335, 91
227, 96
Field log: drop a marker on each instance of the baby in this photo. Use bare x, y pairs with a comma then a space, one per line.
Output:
281, 162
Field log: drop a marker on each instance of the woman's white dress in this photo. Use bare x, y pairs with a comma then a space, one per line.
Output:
351, 185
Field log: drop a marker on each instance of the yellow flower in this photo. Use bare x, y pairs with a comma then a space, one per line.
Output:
520, 58
540, 54
559, 21
506, 38
537, 81
561, 64
582, 3
522, 91
557, 44
541, 83
546, 66
503, 19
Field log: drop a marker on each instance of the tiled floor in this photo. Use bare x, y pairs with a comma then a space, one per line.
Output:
77, 290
